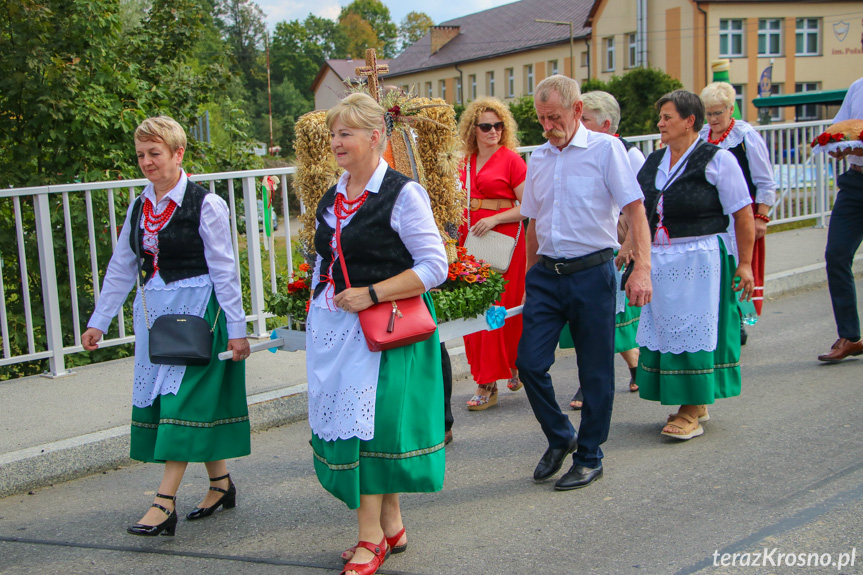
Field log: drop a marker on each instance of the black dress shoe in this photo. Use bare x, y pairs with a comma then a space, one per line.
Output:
578, 476
228, 500
552, 460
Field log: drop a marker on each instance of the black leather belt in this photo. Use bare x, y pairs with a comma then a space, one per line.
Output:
570, 266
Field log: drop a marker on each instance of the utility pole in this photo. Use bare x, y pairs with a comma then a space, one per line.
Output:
269, 91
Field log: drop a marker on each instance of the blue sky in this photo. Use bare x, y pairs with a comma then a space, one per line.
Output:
278, 10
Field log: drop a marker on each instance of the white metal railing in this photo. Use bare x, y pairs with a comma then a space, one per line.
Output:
44, 199
806, 187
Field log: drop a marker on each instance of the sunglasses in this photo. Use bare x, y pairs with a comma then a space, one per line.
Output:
498, 126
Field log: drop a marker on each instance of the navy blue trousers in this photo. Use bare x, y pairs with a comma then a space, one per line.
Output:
585, 299
843, 239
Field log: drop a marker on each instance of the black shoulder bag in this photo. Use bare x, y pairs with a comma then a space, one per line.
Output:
175, 339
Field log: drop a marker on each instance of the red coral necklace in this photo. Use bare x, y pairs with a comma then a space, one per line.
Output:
723, 136
343, 212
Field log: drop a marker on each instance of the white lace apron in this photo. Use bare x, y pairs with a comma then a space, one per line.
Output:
683, 314
188, 296
342, 374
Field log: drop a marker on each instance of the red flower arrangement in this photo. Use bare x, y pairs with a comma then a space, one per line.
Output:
293, 301
471, 288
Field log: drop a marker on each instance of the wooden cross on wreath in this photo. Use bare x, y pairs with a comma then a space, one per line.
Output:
371, 71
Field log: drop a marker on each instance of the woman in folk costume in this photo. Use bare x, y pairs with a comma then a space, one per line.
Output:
376, 418
741, 139
495, 180
180, 413
689, 332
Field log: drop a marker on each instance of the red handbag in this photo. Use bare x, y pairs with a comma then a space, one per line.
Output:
391, 324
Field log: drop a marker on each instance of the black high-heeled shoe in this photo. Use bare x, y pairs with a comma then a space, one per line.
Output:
168, 526
227, 501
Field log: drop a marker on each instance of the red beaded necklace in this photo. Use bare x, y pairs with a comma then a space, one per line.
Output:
343, 212
154, 222
723, 136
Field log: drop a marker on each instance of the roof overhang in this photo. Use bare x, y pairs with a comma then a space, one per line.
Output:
800, 98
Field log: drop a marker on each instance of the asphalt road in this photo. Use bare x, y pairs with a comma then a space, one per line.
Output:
779, 468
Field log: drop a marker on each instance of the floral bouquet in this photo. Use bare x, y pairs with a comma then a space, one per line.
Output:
842, 138
294, 301
470, 289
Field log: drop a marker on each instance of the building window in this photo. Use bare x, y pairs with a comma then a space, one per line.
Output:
609, 54
807, 111
528, 79
770, 37
458, 91
776, 114
510, 83
808, 37
633, 50
472, 80
429, 90
552, 67
442, 89
731, 38
490, 81
739, 100
585, 59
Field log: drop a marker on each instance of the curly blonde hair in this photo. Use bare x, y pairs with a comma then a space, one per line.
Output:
467, 124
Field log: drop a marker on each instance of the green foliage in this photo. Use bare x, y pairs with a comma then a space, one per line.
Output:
467, 301
636, 91
361, 36
299, 49
413, 26
242, 23
378, 16
529, 130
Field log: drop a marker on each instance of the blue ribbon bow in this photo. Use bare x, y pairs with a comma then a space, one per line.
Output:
495, 316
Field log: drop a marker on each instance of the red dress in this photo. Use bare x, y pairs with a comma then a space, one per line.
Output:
491, 354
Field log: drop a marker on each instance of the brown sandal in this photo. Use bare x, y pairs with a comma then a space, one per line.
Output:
688, 426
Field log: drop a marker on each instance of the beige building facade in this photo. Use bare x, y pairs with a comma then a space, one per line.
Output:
810, 45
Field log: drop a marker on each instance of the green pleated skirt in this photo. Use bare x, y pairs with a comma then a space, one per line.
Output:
702, 377
208, 418
406, 454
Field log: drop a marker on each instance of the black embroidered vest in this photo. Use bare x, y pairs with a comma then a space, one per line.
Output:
691, 205
739, 152
626, 144
181, 249
373, 250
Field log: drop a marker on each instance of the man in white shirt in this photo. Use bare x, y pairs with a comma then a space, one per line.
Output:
575, 185
844, 238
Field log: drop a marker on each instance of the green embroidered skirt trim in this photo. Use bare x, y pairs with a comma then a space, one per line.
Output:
208, 418
406, 454
625, 328
702, 377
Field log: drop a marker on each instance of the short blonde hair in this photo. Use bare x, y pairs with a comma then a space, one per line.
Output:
162, 129
469, 118
718, 93
604, 106
360, 111
566, 88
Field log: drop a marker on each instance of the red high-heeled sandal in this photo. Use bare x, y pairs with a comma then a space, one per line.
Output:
381, 551
391, 541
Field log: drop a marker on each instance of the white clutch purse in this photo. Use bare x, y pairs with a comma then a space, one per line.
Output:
493, 247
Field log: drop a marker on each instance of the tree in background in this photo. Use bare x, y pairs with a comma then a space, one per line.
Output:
378, 16
360, 36
529, 130
636, 91
243, 24
413, 26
